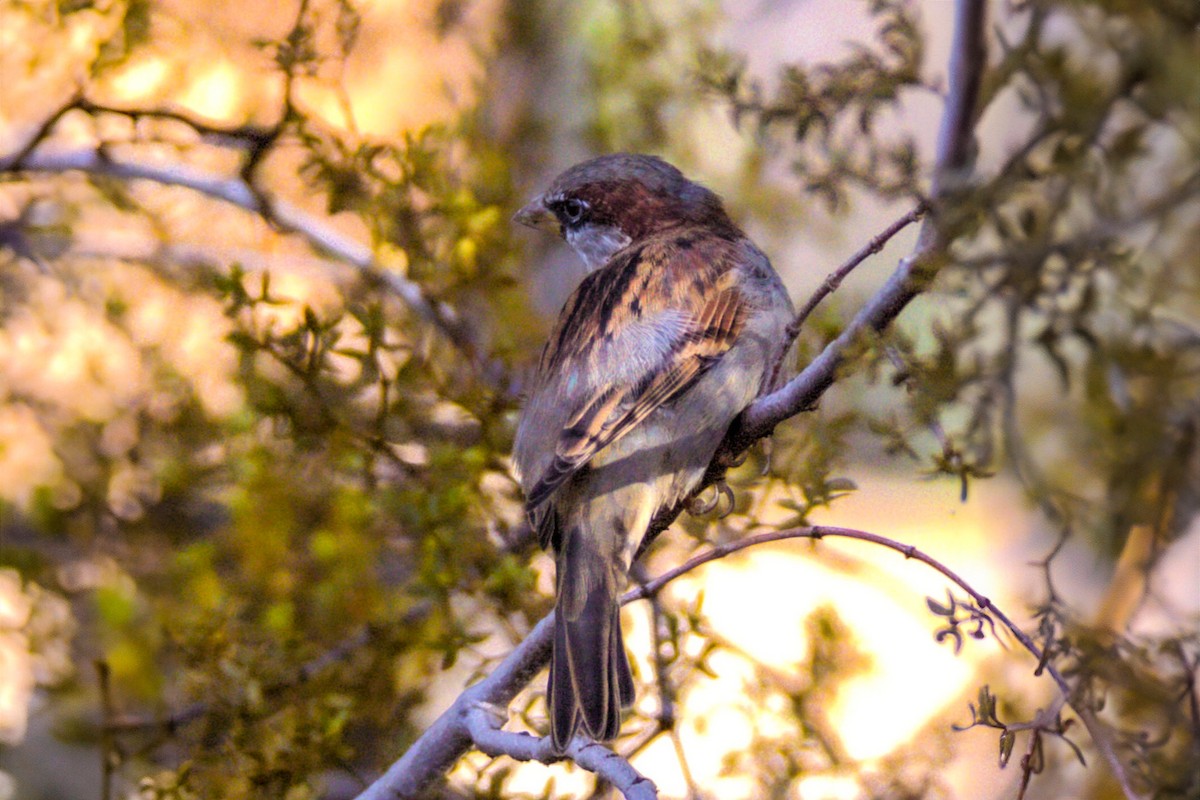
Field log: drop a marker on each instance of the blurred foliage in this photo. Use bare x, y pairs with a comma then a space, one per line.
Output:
809, 743
278, 494
832, 113
1073, 265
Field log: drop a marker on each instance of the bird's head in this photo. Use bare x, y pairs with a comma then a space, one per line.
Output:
601, 206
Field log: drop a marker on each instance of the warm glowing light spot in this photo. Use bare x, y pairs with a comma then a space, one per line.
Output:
215, 93
758, 602
658, 759
875, 711
720, 721
81, 39
389, 6
64, 354
16, 686
83, 360
10, 32
16, 672
141, 78
296, 291
828, 787
912, 678
27, 461
14, 604
411, 95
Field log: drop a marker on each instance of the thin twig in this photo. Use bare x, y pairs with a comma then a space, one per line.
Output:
824, 532
132, 723
666, 690
14, 160
685, 769
834, 279
110, 752
251, 136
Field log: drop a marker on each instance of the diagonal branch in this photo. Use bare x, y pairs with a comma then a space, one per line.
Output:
445, 741
484, 721
955, 154
461, 727
237, 191
834, 279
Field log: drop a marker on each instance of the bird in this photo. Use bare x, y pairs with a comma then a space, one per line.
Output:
675, 329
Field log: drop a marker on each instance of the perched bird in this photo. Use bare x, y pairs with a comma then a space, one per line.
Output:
673, 332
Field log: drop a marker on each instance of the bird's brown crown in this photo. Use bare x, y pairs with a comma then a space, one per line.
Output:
640, 195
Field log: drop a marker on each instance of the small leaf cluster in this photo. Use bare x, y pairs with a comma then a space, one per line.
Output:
959, 614
836, 114
984, 713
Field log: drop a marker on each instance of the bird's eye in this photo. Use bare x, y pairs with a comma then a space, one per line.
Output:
573, 210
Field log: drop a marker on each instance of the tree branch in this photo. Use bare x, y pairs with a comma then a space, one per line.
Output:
33, 157
483, 723
834, 279
955, 155
825, 532
1096, 730
456, 730
445, 741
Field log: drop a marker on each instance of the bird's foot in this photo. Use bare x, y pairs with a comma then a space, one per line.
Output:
701, 505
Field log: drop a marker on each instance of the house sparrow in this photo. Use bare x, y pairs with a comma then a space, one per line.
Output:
676, 328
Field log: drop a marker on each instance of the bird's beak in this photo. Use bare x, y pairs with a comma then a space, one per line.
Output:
536, 215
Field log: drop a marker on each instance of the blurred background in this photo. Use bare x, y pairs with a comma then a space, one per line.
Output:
264, 323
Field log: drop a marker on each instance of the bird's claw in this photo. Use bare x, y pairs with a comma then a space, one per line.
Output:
699, 506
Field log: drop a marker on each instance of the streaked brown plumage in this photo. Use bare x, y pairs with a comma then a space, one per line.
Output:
652, 357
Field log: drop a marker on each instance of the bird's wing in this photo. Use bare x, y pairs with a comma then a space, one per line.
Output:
684, 300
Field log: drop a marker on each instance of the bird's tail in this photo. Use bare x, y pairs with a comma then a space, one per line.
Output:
590, 680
